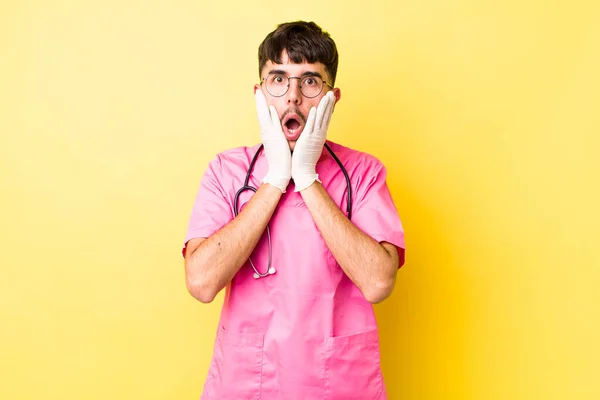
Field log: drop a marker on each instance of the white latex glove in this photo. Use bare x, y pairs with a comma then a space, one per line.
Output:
276, 147
309, 146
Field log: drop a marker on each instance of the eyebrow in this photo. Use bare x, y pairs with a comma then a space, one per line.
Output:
307, 73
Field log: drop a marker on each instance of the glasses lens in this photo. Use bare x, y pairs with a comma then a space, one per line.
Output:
276, 85
311, 86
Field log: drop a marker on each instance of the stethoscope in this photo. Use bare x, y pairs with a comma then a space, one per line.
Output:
271, 270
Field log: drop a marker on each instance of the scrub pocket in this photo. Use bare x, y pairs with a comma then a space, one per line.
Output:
236, 367
352, 367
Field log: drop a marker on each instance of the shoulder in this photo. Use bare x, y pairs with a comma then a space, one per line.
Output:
236, 153
234, 159
355, 159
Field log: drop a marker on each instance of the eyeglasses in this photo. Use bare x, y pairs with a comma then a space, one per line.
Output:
310, 86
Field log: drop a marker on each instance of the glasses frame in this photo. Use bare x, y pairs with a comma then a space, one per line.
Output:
289, 78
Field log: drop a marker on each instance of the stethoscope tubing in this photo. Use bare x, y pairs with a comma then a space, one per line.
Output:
247, 186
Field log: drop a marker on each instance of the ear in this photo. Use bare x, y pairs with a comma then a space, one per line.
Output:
256, 87
337, 93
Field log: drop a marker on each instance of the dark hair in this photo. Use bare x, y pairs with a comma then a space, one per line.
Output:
303, 42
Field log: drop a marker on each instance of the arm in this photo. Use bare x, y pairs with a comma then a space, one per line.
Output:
211, 263
370, 265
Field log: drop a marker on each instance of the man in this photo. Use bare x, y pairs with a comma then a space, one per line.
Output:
301, 268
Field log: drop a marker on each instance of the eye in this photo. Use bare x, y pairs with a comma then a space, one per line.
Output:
278, 79
310, 81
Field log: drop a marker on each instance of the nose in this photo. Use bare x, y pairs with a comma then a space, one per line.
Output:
293, 95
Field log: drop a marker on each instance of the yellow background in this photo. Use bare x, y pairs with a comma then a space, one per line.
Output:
486, 114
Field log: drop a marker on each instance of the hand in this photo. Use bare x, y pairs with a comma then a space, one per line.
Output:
276, 147
309, 146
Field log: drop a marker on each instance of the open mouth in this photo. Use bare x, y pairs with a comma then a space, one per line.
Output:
292, 126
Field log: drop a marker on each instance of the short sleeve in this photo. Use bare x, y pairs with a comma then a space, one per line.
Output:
375, 212
211, 210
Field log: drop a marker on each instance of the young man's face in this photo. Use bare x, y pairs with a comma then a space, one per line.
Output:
293, 106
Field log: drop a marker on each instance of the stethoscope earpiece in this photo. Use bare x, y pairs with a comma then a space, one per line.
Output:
270, 271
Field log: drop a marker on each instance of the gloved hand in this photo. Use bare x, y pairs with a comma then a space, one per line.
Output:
276, 147
309, 146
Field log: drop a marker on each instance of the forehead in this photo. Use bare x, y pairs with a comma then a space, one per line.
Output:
293, 69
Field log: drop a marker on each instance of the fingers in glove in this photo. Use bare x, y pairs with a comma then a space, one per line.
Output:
322, 114
262, 109
320, 111
328, 111
310, 122
274, 117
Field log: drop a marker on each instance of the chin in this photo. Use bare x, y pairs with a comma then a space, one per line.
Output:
292, 144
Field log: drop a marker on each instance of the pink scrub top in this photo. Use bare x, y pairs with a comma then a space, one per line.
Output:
305, 332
